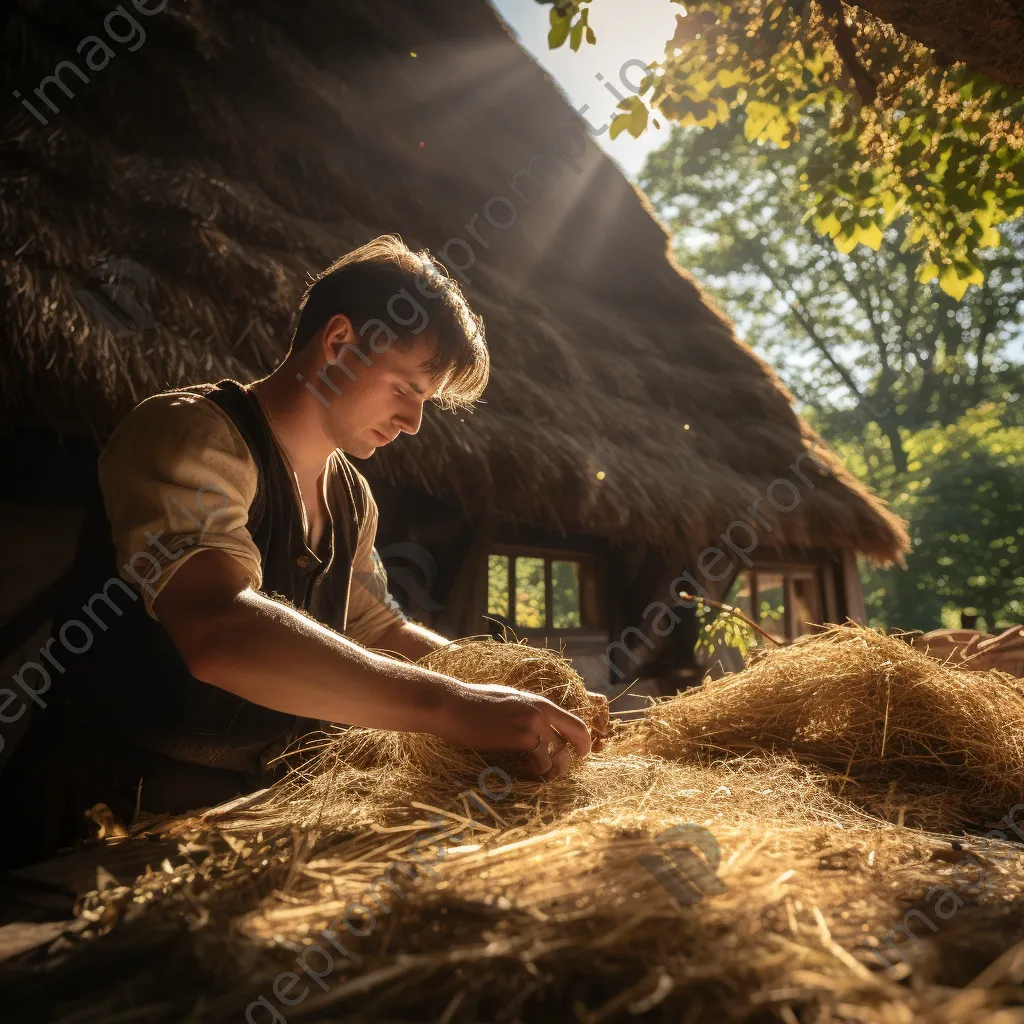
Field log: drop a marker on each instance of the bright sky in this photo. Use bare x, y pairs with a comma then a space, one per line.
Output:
626, 30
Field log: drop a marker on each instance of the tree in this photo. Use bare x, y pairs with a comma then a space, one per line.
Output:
857, 336
991, 40
963, 495
913, 132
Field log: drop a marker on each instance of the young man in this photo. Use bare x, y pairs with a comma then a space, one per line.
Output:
257, 607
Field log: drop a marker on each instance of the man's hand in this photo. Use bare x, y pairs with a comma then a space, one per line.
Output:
600, 720
269, 653
500, 719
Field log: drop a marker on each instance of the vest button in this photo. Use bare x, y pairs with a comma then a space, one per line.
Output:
302, 561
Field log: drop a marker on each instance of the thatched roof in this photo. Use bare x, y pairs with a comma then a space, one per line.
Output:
244, 146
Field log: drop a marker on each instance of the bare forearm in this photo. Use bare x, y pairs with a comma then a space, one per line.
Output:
273, 655
409, 640
267, 652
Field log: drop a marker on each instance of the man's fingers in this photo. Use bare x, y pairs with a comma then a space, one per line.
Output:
560, 732
573, 729
559, 761
540, 756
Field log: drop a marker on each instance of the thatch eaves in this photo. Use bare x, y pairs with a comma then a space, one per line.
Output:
240, 149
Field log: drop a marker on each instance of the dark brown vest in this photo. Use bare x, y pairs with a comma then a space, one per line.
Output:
134, 693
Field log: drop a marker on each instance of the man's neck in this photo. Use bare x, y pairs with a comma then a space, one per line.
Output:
294, 422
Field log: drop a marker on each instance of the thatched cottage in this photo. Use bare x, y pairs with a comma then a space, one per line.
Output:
172, 172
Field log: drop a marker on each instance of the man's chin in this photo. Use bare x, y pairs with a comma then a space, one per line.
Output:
360, 451
363, 446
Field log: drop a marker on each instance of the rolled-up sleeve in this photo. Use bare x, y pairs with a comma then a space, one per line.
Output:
177, 478
371, 609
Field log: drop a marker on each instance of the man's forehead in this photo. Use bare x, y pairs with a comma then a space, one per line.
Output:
413, 362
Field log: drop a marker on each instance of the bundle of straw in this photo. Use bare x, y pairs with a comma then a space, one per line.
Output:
537, 670
861, 702
388, 768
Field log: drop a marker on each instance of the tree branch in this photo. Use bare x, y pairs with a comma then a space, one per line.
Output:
807, 324
867, 87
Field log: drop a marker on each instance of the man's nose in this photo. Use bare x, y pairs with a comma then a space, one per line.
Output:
411, 419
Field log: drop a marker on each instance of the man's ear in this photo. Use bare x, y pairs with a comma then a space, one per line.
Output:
337, 333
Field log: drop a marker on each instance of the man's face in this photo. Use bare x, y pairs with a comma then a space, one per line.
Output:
382, 394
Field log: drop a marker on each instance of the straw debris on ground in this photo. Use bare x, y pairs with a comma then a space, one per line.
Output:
808, 769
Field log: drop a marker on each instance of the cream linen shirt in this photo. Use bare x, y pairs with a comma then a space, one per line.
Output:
177, 478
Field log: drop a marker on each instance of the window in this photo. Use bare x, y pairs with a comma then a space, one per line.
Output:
536, 591
784, 602
497, 585
565, 595
531, 593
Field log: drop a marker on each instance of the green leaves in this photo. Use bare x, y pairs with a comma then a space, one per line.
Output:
570, 21
881, 363
957, 275
851, 232
964, 498
559, 31
767, 122
633, 120
722, 628
940, 145
954, 276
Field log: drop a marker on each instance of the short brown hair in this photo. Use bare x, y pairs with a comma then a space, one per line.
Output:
366, 283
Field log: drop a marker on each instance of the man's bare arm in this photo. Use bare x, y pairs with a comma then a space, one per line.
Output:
262, 650
410, 640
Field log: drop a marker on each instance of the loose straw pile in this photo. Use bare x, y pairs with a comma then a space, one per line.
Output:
866, 705
543, 906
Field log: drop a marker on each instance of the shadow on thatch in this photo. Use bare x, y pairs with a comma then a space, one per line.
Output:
246, 146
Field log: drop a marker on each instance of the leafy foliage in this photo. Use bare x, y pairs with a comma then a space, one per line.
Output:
722, 627
497, 585
530, 607
919, 393
857, 336
908, 136
565, 595
530, 610
574, 27
963, 495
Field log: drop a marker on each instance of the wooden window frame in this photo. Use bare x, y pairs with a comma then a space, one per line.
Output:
588, 563
788, 571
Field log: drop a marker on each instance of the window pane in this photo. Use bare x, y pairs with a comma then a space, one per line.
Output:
565, 595
771, 601
497, 585
530, 608
805, 604
739, 596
